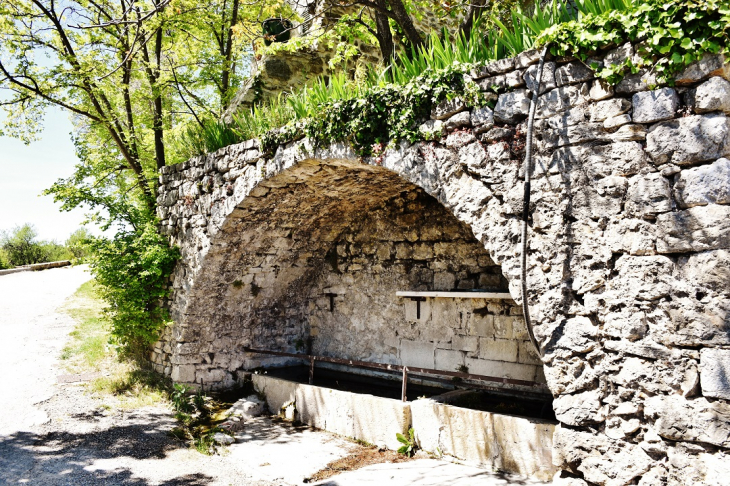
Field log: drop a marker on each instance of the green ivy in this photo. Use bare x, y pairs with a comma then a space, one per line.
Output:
669, 35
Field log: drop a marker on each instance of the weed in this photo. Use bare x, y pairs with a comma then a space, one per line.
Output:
409, 446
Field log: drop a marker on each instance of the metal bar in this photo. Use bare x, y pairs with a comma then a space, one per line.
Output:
405, 384
311, 370
392, 367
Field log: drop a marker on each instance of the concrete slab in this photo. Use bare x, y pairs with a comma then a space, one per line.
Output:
425, 472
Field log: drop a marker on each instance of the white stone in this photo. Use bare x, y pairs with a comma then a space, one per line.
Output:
417, 354
616, 121
483, 117
707, 184
498, 349
580, 409
648, 195
689, 140
600, 90
695, 229
712, 95
223, 439
572, 73
715, 372
447, 109
548, 77
654, 106
460, 120
512, 107
609, 108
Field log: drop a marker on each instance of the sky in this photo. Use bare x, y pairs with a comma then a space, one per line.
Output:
26, 170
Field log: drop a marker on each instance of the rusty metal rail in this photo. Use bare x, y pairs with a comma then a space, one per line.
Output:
406, 370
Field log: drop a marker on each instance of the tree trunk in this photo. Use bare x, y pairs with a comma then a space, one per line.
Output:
404, 20
383, 34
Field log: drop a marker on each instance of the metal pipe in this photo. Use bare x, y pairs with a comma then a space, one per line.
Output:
397, 368
405, 384
526, 200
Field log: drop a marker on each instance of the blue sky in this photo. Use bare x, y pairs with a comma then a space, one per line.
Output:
26, 170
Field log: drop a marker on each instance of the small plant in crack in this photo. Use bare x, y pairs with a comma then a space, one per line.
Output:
409, 446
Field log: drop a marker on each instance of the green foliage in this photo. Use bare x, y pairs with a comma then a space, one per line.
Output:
78, 244
20, 246
133, 271
670, 35
409, 443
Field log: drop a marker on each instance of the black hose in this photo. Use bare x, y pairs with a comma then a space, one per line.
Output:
526, 199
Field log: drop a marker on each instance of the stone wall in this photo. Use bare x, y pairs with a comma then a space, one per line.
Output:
629, 251
413, 243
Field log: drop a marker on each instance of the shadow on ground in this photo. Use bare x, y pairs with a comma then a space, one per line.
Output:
62, 457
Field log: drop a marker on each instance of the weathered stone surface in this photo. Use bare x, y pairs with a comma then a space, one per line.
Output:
560, 99
512, 107
633, 83
707, 184
502, 82
305, 251
712, 95
689, 140
694, 420
648, 195
654, 106
696, 229
600, 90
580, 409
482, 118
460, 120
715, 373
610, 108
616, 121
709, 65
447, 109
548, 77
251, 406
572, 73
431, 129
501, 66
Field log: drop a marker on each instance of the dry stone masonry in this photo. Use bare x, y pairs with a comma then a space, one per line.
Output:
629, 260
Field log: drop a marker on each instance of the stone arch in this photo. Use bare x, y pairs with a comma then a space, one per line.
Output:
268, 268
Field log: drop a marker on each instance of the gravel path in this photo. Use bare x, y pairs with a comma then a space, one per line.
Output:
55, 433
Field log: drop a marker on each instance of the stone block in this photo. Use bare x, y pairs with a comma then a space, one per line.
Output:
695, 229
694, 420
712, 95
648, 195
504, 325
449, 360
709, 65
502, 82
512, 107
616, 121
573, 73
183, 374
448, 108
715, 373
501, 66
278, 392
417, 354
527, 58
527, 354
609, 108
465, 343
482, 118
633, 83
548, 77
460, 120
561, 99
377, 420
481, 325
689, 140
708, 269
412, 312
600, 90
502, 369
498, 349
580, 409
326, 409
707, 184
654, 106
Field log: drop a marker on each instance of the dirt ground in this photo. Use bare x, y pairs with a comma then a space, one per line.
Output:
53, 432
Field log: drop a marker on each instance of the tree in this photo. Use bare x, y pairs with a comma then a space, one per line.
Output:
78, 243
21, 247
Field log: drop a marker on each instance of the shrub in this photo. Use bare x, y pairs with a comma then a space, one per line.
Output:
133, 271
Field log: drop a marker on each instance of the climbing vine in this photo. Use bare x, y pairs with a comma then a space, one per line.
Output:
669, 35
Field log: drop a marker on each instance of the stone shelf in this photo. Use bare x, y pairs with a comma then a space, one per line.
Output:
454, 295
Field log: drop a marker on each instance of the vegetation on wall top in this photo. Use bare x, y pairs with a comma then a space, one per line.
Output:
388, 105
